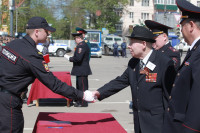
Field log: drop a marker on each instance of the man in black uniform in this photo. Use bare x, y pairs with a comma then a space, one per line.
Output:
81, 67
150, 76
20, 64
81, 30
183, 114
162, 43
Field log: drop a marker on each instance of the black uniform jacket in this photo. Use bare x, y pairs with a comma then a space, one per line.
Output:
80, 60
149, 94
172, 53
21, 63
184, 105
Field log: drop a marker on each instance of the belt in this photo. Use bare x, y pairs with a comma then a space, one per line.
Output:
8, 92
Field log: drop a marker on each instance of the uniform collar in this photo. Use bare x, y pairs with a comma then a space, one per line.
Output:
30, 40
146, 58
194, 42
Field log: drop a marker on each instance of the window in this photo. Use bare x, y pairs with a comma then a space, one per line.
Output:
131, 2
119, 13
109, 38
118, 27
198, 3
145, 2
131, 14
145, 16
93, 37
117, 39
167, 2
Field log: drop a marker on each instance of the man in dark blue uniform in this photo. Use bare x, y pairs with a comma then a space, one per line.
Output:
81, 68
81, 30
183, 113
20, 64
162, 43
115, 49
150, 76
123, 46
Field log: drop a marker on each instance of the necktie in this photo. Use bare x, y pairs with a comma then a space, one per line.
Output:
141, 64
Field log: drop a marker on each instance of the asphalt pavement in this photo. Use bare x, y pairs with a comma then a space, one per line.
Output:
103, 70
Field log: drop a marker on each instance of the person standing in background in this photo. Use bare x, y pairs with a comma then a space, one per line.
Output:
162, 43
115, 49
81, 30
81, 67
45, 45
123, 46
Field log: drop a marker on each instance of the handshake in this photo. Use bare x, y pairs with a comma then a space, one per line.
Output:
91, 96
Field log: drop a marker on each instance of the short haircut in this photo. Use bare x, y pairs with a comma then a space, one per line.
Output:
196, 21
29, 31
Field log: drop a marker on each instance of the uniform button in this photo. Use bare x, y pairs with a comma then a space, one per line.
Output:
173, 85
168, 109
178, 74
170, 97
138, 111
137, 100
163, 51
137, 88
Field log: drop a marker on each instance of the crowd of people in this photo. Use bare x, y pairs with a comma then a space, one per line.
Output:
5, 39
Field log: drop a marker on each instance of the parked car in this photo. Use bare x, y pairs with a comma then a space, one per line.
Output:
96, 51
108, 41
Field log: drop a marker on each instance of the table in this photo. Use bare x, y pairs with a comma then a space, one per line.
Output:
40, 91
80, 123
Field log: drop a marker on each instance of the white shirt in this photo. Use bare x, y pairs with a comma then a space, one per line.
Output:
146, 58
194, 42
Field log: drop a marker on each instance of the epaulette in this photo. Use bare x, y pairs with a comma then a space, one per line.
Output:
173, 49
40, 53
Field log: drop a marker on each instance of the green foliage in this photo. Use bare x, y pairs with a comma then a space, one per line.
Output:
108, 18
65, 15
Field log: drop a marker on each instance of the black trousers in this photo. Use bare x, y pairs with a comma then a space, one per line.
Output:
11, 116
82, 85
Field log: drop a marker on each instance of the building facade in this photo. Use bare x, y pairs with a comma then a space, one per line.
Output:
137, 11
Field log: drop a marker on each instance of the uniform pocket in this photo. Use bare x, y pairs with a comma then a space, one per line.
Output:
15, 102
157, 110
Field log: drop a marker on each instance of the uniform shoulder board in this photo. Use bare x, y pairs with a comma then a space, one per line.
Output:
39, 53
173, 49
9, 55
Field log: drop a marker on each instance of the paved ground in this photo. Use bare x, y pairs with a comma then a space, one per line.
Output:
104, 69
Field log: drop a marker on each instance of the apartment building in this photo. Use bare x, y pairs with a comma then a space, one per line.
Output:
137, 11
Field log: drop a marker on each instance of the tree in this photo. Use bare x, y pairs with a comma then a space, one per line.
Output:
88, 8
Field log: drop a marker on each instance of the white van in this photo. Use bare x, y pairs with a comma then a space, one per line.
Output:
108, 41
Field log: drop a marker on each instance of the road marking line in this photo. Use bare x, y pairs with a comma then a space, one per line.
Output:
28, 129
126, 102
88, 79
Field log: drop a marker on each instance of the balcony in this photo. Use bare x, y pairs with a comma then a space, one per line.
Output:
168, 7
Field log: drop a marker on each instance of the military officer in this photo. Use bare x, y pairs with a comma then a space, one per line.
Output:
183, 113
162, 43
81, 67
20, 64
150, 76
81, 30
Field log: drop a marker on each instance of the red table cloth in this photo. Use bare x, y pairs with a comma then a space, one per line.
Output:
80, 123
46, 58
39, 90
